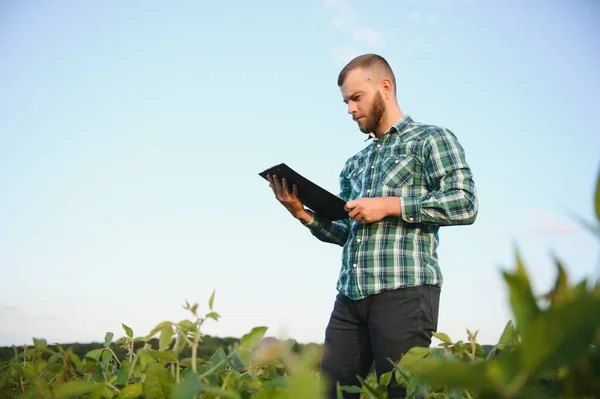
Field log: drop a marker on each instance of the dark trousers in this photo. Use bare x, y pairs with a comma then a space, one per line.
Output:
375, 328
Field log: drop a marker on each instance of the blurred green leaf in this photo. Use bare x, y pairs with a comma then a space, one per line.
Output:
106, 358
385, 378
304, 385
220, 392
249, 340
443, 337
187, 362
560, 292
131, 391
187, 325
219, 357
108, 339
213, 315
159, 327
351, 388
158, 383
95, 353
523, 302
451, 374
559, 337
509, 335
165, 338
211, 300
373, 391
40, 343
188, 388
128, 330
166, 356
75, 388
413, 355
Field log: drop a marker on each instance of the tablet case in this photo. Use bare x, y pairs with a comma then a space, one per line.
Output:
319, 200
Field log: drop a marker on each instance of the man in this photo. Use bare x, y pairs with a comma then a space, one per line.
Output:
408, 181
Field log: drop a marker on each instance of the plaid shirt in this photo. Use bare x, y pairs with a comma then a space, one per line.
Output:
425, 166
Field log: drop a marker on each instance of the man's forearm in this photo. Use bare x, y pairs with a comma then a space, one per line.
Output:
304, 216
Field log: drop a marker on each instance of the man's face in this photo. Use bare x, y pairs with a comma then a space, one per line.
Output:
365, 102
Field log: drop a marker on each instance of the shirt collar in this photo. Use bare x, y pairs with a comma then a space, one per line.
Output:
397, 127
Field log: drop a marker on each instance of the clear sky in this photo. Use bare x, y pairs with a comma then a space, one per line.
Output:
132, 134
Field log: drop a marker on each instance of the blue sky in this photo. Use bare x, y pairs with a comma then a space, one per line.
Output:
131, 135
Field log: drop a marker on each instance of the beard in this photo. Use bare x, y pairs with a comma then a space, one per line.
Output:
369, 123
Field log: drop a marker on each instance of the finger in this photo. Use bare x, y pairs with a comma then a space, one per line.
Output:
295, 190
354, 213
273, 185
277, 186
350, 205
285, 186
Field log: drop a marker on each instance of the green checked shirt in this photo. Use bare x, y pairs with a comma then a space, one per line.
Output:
425, 166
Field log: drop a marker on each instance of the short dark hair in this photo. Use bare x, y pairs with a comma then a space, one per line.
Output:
368, 61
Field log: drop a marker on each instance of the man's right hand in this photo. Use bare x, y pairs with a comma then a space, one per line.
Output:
289, 200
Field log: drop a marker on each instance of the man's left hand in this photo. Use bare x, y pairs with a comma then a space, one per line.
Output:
369, 210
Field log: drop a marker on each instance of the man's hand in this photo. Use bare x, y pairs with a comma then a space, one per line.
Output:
289, 200
369, 210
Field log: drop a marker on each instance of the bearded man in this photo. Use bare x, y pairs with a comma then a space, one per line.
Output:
409, 180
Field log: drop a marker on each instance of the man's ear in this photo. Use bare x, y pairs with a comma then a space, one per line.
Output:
387, 87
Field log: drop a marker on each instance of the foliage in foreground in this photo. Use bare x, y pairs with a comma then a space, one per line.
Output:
550, 351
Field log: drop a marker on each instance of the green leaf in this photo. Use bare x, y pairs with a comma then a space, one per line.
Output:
128, 330
443, 337
188, 388
165, 338
385, 378
305, 385
159, 327
560, 292
413, 355
187, 325
562, 336
74, 388
351, 388
372, 391
213, 315
187, 362
249, 340
219, 357
158, 383
106, 358
40, 343
523, 302
94, 354
108, 339
597, 197
166, 356
131, 391
509, 335
211, 300
451, 374
220, 392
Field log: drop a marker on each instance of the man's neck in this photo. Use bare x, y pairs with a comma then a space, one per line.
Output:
391, 117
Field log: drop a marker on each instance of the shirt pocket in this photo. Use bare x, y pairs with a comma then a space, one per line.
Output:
399, 170
356, 179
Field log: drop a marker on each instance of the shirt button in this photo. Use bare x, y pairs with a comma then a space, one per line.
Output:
372, 166
378, 145
368, 191
354, 265
358, 240
396, 161
411, 218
